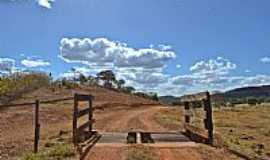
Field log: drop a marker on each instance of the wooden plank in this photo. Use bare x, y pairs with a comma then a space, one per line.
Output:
83, 97
83, 112
57, 100
40, 102
196, 130
194, 97
85, 125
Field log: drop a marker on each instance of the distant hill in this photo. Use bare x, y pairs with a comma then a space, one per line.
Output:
167, 99
244, 92
261, 92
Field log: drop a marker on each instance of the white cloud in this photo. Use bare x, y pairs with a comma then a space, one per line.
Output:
206, 73
178, 66
31, 63
7, 65
214, 74
265, 59
139, 67
256, 80
45, 3
145, 78
101, 51
164, 47
218, 66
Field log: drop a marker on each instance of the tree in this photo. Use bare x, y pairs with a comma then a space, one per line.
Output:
155, 97
129, 89
252, 101
108, 77
82, 78
120, 83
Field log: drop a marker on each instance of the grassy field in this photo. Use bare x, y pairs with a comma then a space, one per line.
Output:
245, 129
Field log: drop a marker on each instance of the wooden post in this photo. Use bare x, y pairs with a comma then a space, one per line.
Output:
187, 109
209, 119
37, 127
90, 115
75, 112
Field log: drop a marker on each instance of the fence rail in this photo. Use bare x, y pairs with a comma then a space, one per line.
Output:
33, 103
79, 130
204, 102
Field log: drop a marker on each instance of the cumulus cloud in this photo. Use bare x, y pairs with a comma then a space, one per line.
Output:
32, 63
145, 78
45, 3
265, 59
214, 74
255, 80
101, 51
218, 66
206, 72
7, 65
140, 67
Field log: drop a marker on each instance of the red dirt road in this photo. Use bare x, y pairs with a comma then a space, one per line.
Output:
142, 119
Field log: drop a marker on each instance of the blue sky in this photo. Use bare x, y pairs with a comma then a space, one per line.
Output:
170, 47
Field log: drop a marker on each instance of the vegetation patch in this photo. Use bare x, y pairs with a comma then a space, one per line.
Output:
57, 152
14, 86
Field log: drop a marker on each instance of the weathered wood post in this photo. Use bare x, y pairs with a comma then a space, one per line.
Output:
75, 112
187, 112
90, 115
192, 101
209, 120
79, 130
37, 126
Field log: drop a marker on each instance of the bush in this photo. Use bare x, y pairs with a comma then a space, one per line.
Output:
252, 101
15, 85
58, 152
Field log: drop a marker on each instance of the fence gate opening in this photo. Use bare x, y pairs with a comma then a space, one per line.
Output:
80, 132
192, 102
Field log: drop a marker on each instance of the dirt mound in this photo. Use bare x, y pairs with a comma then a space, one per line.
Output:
103, 97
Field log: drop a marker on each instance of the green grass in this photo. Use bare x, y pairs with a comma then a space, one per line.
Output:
57, 152
141, 153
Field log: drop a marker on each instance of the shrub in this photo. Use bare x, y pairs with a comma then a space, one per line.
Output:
252, 101
59, 152
15, 85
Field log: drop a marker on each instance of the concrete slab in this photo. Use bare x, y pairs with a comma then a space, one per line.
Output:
113, 138
169, 137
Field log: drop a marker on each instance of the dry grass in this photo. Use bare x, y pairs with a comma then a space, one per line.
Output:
59, 152
141, 153
244, 129
170, 118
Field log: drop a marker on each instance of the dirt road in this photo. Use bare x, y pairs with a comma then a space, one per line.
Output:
17, 132
142, 119
126, 120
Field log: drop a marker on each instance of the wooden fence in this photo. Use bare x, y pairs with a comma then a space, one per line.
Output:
203, 99
79, 132
36, 105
